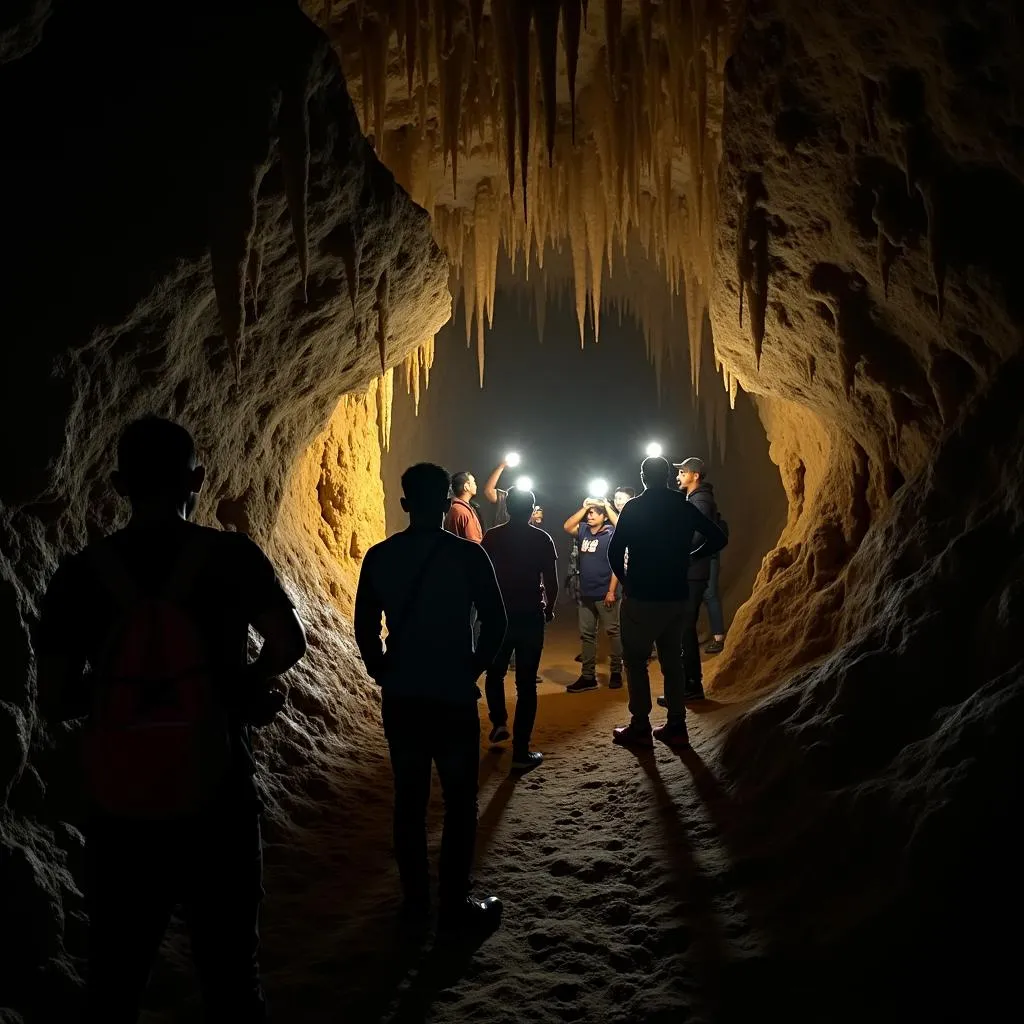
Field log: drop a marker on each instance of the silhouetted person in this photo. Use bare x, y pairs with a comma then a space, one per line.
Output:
145, 633
598, 602
524, 561
462, 518
424, 581
656, 531
691, 480
497, 496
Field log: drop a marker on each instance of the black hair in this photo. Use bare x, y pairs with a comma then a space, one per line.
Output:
459, 482
519, 504
625, 490
425, 482
154, 456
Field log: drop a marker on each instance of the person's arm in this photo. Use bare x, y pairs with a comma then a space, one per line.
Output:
609, 598
549, 578
612, 514
367, 616
490, 609
617, 546
707, 535
572, 524
491, 485
60, 652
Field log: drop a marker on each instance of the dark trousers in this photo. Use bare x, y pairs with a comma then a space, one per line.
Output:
716, 620
691, 650
525, 639
138, 873
659, 624
421, 731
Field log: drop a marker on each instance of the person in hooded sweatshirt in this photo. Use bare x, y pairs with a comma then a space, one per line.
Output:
692, 480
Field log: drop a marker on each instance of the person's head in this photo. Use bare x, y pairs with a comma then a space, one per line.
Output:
538, 515
621, 496
597, 516
464, 485
157, 466
425, 489
520, 505
691, 474
655, 472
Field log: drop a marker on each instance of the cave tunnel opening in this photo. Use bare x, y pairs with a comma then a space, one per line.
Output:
261, 226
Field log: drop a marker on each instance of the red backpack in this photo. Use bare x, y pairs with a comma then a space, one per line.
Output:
157, 743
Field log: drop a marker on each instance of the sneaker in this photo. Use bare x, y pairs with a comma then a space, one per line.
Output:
674, 736
581, 684
499, 734
615, 681
632, 736
471, 915
714, 647
531, 759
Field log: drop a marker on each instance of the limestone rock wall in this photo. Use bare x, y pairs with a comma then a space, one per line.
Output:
196, 229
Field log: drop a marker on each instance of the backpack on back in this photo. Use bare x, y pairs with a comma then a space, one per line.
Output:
157, 744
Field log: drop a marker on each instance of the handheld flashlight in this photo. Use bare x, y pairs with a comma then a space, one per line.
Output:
654, 450
512, 459
598, 487
524, 483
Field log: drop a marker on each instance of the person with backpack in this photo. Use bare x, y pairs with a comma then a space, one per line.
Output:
692, 480
424, 582
145, 634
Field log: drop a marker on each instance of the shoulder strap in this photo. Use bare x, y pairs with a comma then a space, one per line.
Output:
414, 589
112, 573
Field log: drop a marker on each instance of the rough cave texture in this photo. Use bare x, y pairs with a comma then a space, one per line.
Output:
869, 211
213, 168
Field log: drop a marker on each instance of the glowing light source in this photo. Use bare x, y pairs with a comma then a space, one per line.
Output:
598, 487
654, 450
512, 459
524, 483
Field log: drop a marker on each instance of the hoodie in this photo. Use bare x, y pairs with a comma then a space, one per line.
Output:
703, 497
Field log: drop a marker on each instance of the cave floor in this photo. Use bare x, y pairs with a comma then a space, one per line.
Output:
611, 865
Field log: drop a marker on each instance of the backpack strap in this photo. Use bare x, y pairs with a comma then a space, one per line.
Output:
190, 561
112, 574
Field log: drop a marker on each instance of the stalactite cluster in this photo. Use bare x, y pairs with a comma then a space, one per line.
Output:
530, 124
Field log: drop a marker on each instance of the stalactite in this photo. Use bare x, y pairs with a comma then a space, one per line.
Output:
547, 40
382, 309
572, 11
350, 256
936, 258
522, 12
254, 269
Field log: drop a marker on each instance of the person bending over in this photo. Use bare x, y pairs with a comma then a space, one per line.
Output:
598, 598
524, 562
425, 582
656, 531
145, 634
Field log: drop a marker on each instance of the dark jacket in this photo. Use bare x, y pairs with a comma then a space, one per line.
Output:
704, 499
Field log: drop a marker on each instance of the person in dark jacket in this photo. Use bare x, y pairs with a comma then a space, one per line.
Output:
650, 552
693, 483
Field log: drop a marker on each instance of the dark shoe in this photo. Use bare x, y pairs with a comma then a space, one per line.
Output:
581, 684
714, 647
675, 736
692, 696
661, 702
471, 915
615, 681
525, 762
499, 734
632, 736
579, 657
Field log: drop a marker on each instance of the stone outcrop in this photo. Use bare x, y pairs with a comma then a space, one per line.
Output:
198, 229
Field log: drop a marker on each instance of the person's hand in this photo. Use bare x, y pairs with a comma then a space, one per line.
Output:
609, 599
549, 614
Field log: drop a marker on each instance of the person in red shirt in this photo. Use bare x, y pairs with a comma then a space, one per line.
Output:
462, 519
524, 561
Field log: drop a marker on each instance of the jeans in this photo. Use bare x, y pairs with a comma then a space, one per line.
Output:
592, 612
659, 623
716, 621
421, 731
691, 649
138, 873
524, 639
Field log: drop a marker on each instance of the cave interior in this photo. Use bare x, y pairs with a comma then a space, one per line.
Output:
274, 222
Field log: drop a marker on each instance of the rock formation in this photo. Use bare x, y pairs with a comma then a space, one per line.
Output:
195, 226
182, 209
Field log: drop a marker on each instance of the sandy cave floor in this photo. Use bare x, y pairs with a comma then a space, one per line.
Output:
606, 860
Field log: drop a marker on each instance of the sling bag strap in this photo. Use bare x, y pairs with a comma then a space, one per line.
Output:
414, 589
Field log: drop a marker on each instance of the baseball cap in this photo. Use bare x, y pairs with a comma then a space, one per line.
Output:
691, 465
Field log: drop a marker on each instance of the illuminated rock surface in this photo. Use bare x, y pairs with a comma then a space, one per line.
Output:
845, 847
